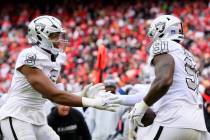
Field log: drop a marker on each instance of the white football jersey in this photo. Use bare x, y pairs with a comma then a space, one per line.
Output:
24, 102
180, 107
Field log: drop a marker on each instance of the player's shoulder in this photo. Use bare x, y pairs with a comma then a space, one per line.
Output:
164, 46
26, 51
32, 52
31, 57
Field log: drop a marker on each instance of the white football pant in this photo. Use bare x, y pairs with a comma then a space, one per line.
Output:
156, 132
13, 129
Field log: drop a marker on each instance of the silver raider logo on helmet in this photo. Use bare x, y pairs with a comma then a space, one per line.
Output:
39, 27
160, 26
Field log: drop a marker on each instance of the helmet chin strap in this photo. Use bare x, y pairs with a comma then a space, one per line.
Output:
53, 56
177, 38
53, 50
48, 45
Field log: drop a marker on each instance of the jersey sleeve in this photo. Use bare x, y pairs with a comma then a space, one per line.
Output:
29, 59
162, 47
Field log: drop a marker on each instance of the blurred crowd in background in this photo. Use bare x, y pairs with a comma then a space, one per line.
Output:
121, 26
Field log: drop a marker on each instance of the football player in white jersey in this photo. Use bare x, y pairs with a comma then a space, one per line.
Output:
22, 117
174, 88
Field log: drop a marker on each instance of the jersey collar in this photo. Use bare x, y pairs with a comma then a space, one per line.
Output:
51, 56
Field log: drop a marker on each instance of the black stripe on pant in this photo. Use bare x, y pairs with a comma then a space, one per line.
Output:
1, 136
13, 131
158, 133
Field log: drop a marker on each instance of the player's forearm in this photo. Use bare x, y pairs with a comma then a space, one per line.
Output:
157, 90
65, 98
68, 99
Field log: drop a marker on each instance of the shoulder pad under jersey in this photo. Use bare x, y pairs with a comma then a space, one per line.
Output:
31, 58
161, 47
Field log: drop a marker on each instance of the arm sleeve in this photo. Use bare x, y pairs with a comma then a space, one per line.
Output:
131, 100
138, 92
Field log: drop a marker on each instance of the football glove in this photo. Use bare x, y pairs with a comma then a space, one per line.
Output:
91, 90
99, 103
137, 113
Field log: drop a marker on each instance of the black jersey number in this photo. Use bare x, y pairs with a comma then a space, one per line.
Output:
190, 67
